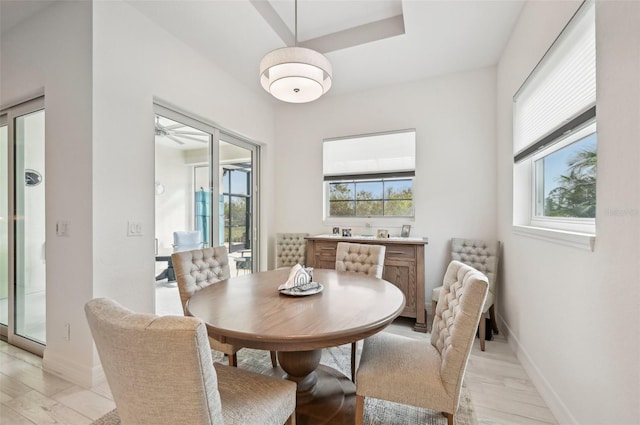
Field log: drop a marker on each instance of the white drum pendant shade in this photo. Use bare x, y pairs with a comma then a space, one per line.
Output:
295, 74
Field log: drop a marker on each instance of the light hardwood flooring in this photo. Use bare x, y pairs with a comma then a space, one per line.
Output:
501, 391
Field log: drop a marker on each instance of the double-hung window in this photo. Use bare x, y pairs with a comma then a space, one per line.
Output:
555, 137
369, 176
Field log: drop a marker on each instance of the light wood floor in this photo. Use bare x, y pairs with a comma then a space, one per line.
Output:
500, 389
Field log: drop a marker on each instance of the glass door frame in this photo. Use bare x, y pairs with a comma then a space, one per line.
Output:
8, 116
219, 134
254, 149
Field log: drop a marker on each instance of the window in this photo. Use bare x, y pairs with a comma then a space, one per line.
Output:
565, 180
370, 175
236, 184
555, 139
371, 198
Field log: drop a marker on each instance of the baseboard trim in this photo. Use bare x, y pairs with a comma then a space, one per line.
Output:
558, 408
83, 376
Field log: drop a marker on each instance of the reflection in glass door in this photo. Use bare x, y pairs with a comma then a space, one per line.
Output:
22, 225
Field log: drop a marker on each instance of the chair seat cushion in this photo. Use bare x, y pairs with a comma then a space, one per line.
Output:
402, 370
250, 398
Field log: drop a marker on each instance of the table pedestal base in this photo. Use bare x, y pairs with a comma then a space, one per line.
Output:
333, 401
325, 395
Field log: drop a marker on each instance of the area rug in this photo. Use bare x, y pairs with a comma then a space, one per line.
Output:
377, 412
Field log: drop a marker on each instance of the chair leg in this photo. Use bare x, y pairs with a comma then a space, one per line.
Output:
353, 361
274, 360
492, 317
449, 418
233, 360
483, 329
291, 420
359, 409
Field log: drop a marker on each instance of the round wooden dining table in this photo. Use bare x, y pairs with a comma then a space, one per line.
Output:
248, 311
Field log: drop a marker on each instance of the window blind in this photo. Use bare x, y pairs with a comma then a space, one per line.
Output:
383, 153
562, 86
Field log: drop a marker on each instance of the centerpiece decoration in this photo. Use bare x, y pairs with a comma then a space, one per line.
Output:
300, 282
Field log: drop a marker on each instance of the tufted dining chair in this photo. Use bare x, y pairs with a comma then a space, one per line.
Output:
291, 249
160, 372
484, 257
197, 269
420, 373
359, 258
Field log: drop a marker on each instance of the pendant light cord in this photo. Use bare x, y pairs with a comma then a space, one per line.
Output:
295, 36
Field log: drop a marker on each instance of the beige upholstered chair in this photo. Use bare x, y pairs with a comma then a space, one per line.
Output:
160, 372
198, 269
484, 257
291, 249
359, 258
421, 373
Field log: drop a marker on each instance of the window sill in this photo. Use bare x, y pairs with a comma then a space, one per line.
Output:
583, 241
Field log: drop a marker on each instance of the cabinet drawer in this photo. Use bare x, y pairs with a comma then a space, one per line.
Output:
400, 251
326, 248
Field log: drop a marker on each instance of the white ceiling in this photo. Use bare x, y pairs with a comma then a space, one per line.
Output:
436, 36
440, 37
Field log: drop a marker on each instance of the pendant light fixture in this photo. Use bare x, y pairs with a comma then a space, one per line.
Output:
295, 74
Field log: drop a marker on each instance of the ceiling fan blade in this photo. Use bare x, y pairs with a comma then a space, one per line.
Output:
190, 133
180, 142
194, 139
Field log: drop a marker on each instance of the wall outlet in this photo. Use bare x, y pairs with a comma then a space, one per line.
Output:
67, 332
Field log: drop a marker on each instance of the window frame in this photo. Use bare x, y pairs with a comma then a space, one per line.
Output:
381, 177
574, 224
557, 135
404, 173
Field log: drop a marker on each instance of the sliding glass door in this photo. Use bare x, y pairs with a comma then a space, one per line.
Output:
22, 225
4, 223
205, 184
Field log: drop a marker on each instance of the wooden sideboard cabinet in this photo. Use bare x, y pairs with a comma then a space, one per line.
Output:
403, 266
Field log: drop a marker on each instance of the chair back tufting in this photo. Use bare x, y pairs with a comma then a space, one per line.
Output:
291, 249
198, 269
360, 258
456, 319
159, 368
478, 254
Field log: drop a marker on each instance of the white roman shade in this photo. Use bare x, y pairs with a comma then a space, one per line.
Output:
382, 153
562, 86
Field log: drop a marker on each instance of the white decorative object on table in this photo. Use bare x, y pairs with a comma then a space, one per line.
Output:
300, 282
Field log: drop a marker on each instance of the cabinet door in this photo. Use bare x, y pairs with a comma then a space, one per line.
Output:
402, 273
325, 254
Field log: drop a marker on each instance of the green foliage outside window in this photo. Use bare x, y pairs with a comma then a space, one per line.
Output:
575, 194
371, 198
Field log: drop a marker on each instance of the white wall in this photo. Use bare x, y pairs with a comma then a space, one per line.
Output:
173, 207
572, 314
134, 61
100, 65
454, 187
51, 53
